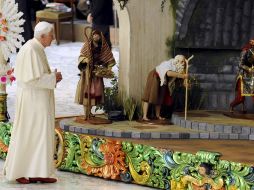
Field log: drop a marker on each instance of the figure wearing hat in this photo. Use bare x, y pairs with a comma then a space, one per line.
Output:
245, 76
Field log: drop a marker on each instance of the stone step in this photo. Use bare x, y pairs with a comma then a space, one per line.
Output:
215, 131
190, 131
130, 129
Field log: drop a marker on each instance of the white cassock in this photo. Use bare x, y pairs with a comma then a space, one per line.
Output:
31, 149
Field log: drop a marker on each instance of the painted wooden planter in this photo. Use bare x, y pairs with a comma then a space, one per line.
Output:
141, 164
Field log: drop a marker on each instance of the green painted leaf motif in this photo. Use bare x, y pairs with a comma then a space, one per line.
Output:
238, 173
96, 160
72, 146
208, 157
127, 146
223, 165
183, 158
178, 172
160, 171
250, 177
240, 182
239, 169
136, 156
138, 153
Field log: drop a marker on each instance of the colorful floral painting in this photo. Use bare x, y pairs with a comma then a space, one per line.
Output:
141, 164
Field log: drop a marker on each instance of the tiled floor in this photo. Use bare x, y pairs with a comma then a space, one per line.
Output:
71, 181
63, 57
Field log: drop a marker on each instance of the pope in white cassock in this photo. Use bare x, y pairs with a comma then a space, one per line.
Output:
31, 150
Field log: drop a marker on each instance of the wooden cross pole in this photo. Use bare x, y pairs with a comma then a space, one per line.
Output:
88, 106
186, 87
88, 31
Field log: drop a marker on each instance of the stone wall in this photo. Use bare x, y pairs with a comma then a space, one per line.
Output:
214, 31
216, 71
216, 24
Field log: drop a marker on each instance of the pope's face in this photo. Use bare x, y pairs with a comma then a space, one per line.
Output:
48, 38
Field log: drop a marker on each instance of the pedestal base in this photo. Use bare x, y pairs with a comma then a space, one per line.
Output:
3, 107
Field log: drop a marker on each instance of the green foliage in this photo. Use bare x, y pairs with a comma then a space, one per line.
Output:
139, 112
130, 106
196, 97
111, 99
170, 43
174, 4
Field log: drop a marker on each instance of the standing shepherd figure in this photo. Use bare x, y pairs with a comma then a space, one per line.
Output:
95, 62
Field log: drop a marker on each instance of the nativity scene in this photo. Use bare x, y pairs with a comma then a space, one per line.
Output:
136, 93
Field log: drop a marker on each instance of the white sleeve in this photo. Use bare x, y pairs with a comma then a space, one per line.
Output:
172, 67
46, 81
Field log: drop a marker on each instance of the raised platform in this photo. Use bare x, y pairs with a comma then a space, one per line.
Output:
218, 124
127, 129
199, 125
